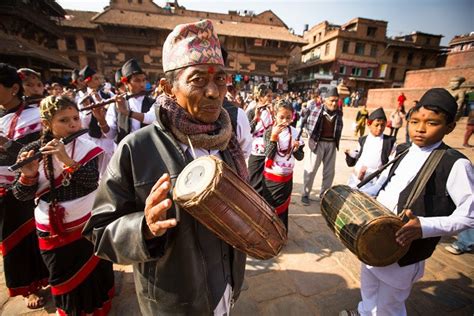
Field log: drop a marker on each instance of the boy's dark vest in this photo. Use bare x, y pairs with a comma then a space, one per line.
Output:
387, 145
433, 201
94, 128
123, 121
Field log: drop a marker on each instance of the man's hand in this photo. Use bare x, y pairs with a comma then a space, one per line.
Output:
156, 206
99, 113
410, 231
121, 105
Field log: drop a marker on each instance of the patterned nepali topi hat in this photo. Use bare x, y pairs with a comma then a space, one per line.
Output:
192, 44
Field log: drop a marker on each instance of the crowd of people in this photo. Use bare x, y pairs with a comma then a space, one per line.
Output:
102, 195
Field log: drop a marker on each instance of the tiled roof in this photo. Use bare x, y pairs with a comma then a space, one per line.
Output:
80, 19
168, 22
19, 47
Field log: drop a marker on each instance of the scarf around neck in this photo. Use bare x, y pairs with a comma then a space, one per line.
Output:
209, 136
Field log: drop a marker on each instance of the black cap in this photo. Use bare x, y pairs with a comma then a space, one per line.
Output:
131, 67
332, 92
439, 98
378, 114
87, 72
118, 76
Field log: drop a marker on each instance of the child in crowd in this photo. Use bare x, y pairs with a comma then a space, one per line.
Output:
56, 89
361, 120
281, 149
396, 120
445, 207
373, 151
65, 183
261, 119
33, 87
25, 272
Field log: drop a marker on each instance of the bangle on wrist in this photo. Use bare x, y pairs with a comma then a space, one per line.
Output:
27, 180
130, 112
103, 125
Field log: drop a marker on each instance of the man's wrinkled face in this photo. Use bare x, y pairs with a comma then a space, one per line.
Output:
200, 90
331, 103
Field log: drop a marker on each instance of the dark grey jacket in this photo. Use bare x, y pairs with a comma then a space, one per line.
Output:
172, 271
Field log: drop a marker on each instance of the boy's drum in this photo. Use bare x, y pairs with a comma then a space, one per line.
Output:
363, 225
220, 200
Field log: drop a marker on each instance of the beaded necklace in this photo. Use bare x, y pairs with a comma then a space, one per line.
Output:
284, 153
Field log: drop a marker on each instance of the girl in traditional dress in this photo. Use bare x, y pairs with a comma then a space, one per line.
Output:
33, 87
64, 183
282, 147
261, 119
25, 272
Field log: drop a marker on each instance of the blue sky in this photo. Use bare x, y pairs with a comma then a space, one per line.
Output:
445, 17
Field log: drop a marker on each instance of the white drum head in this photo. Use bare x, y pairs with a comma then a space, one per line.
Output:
195, 177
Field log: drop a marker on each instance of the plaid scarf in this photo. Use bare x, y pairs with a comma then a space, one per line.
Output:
213, 136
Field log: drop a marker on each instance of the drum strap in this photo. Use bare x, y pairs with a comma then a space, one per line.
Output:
381, 169
423, 177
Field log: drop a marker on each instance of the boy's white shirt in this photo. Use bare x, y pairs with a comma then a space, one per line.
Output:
459, 186
371, 158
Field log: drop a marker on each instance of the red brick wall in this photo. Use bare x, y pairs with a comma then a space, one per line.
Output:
465, 58
437, 77
387, 98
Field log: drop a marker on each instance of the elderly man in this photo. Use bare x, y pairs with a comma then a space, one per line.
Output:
180, 267
324, 127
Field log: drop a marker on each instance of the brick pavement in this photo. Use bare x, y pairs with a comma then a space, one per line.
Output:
315, 274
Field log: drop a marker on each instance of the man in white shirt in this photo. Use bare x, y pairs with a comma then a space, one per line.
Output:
134, 111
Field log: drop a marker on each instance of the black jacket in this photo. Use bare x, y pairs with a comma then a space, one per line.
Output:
171, 271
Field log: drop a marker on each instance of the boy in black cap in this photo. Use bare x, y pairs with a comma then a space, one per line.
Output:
324, 127
374, 149
444, 207
96, 121
130, 115
80, 87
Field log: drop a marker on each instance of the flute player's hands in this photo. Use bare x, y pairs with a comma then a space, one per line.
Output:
31, 169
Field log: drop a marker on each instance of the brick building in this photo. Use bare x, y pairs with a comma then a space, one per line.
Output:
258, 45
29, 33
360, 54
461, 51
